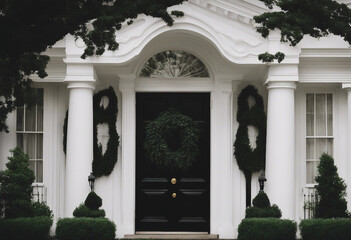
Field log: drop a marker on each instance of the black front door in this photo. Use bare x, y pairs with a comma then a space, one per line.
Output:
183, 205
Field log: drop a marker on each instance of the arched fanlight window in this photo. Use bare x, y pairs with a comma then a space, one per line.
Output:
174, 64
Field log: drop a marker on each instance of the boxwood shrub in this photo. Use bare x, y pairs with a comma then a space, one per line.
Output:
84, 211
326, 229
37, 228
85, 229
266, 212
267, 229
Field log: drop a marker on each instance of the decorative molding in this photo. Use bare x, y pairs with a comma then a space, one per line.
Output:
81, 85
346, 86
239, 10
281, 85
325, 78
174, 85
325, 53
237, 41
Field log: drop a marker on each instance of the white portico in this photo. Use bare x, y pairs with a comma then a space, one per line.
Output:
306, 99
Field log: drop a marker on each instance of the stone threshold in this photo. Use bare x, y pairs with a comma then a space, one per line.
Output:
171, 235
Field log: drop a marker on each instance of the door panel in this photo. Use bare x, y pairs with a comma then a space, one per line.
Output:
156, 209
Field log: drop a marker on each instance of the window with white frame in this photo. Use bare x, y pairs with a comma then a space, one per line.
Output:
29, 131
319, 131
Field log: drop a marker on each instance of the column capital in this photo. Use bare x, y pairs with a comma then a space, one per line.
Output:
282, 73
127, 84
80, 73
346, 86
280, 85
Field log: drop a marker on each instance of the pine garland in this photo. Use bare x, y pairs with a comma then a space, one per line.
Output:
250, 160
103, 164
160, 153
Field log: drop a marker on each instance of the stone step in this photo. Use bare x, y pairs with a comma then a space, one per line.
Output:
171, 235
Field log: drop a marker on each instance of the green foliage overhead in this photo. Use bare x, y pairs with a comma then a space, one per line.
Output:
250, 160
93, 201
172, 125
85, 229
267, 229
16, 186
28, 28
36, 228
296, 18
261, 200
103, 164
331, 190
326, 229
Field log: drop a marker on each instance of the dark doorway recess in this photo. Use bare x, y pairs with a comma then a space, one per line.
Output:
156, 208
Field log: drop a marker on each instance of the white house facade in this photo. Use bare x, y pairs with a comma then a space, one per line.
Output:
307, 101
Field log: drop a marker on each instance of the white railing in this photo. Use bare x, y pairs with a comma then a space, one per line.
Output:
39, 193
310, 198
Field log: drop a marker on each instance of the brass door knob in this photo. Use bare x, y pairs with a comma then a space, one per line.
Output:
174, 195
173, 181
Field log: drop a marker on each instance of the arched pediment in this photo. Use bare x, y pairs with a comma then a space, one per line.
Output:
230, 32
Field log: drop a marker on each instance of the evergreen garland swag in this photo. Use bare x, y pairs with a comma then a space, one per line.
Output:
165, 125
250, 160
102, 164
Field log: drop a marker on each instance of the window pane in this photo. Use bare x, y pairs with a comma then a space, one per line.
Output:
320, 115
29, 145
321, 147
39, 172
310, 148
30, 119
39, 97
310, 114
330, 114
39, 146
330, 146
20, 140
310, 172
20, 119
40, 118
32, 166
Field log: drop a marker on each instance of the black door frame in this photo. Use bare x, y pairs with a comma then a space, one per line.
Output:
209, 151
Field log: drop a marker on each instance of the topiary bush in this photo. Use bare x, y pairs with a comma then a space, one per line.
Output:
255, 212
267, 229
93, 201
84, 211
261, 200
262, 208
326, 229
331, 190
85, 229
16, 186
36, 228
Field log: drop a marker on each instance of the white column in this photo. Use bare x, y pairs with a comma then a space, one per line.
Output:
79, 154
128, 140
280, 167
347, 86
222, 160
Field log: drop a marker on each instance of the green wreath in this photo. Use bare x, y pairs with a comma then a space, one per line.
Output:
165, 127
103, 164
